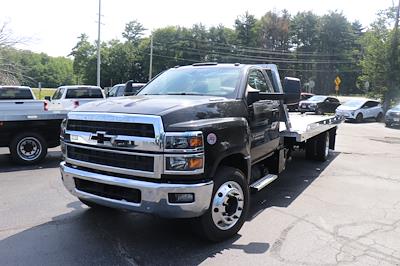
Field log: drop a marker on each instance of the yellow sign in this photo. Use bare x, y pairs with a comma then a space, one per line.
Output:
337, 81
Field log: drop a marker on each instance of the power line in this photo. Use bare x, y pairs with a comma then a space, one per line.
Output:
189, 50
253, 49
283, 69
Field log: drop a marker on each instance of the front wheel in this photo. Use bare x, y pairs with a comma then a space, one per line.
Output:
228, 207
28, 148
379, 117
359, 118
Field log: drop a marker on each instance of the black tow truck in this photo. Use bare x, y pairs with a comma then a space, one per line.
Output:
193, 143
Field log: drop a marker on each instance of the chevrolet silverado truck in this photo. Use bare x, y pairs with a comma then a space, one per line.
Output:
193, 143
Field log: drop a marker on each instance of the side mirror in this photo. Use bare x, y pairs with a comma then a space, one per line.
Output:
47, 98
292, 89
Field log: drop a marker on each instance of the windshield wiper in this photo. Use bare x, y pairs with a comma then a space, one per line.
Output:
184, 93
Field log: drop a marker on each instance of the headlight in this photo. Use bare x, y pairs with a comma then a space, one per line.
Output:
312, 105
184, 163
184, 140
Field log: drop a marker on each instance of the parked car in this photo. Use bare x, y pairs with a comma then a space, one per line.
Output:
127, 89
319, 104
70, 97
360, 109
393, 116
20, 99
303, 96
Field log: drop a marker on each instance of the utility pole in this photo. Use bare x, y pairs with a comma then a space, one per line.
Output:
151, 57
98, 46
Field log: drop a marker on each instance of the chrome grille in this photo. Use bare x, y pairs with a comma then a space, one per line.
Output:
128, 161
112, 128
117, 143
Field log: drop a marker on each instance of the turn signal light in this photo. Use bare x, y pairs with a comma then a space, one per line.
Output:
195, 163
195, 142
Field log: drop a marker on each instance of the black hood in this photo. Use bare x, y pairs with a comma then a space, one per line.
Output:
172, 108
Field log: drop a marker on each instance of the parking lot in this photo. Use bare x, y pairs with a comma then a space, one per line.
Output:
343, 211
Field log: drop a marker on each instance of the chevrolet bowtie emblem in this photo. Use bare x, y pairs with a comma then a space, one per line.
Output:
100, 137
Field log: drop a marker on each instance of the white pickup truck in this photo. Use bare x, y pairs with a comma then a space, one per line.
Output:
70, 97
27, 128
20, 99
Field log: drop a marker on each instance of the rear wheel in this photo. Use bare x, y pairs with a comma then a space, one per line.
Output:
228, 208
359, 118
28, 148
322, 147
317, 148
379, 117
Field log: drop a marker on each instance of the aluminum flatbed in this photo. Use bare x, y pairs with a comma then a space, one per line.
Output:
306, 126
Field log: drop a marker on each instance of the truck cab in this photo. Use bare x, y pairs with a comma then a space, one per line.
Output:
192, 144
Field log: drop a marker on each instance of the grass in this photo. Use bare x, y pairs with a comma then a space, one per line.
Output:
45, 92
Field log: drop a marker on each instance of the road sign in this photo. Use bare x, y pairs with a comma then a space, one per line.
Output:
337, 81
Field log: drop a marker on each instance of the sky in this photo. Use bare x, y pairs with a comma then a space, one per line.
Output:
53, 26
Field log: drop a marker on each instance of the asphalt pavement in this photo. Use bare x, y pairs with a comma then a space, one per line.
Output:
343, 211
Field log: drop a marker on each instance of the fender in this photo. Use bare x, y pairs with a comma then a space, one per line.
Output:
232, 137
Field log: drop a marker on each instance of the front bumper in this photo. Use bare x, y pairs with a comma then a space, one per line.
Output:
154, 196
307, 109
392, 120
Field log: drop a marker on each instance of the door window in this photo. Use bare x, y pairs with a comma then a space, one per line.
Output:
258, 81
58, 94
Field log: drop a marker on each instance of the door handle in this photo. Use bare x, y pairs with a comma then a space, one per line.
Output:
19, 102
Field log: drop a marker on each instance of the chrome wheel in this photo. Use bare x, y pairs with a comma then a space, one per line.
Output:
29, 148
227, 205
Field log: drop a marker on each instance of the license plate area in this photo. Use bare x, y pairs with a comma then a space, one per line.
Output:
108, 191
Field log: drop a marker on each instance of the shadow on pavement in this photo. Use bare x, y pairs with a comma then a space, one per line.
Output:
52, 160
109, 237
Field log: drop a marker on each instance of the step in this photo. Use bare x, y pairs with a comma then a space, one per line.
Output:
263, 182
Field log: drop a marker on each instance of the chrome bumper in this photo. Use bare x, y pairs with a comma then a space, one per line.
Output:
154, 196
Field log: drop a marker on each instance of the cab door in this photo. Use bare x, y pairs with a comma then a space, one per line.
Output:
263, 116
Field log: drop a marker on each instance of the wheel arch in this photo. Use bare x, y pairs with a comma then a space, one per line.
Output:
236, 160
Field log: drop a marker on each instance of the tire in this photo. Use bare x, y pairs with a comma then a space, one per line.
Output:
359, 118
28, 148
388, 124
322, 147
319, 111
302, 112
379, 118
228, 208
310, 149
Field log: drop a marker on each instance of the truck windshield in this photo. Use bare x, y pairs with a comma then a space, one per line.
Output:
195, 81
13, 93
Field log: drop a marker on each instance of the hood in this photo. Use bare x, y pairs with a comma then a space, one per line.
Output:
347, 108
172, 108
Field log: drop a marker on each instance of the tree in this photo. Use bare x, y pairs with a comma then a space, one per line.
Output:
82, 52
133, 31
380, 64
245, 28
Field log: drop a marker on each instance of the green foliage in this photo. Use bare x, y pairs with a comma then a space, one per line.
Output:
381, 61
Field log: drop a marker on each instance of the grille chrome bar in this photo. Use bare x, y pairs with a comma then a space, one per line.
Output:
158, 162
